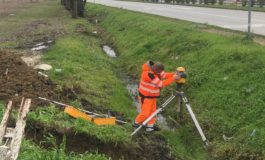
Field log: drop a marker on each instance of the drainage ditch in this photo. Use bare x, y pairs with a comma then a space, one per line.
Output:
132, 87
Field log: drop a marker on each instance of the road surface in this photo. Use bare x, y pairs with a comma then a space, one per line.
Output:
225, 18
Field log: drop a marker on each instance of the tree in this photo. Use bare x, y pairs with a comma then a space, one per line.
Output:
213, 2
261, 3
193, 1
244, 3
221, 2
253, 2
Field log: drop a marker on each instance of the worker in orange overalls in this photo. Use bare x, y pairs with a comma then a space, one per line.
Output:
153, 79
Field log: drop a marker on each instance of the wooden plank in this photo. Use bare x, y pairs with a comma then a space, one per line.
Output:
5, 153
9, 132
19, 130
5, 121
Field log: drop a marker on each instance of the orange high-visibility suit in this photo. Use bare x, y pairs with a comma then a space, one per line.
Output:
149, 90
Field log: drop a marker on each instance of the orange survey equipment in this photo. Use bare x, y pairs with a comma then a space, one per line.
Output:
76, 113
86, 115
104, 121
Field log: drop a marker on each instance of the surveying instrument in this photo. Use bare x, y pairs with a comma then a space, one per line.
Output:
182, 99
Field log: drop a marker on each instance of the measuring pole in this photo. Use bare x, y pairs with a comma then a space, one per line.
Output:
249, 18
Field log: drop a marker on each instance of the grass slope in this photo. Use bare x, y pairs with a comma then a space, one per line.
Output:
84, 65
30, 151
226, 74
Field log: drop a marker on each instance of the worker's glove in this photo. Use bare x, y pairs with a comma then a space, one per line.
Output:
176, 76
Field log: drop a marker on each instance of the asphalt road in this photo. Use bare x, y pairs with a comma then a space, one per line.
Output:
225, 18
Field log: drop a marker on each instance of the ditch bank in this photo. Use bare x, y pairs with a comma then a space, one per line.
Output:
144, 146
17, 80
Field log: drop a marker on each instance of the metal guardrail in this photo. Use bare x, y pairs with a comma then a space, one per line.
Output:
243, 3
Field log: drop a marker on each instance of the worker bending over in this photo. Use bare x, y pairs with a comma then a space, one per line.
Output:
153, 79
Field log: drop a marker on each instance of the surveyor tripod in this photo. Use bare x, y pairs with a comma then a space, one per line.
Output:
182, 99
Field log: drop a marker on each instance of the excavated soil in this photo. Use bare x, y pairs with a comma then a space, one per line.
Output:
17, 80
144, 146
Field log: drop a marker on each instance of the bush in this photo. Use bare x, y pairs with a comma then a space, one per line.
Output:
244, 3
221, 2
253, 2
213, 2
206, 1
187, 1
167, 1
193, 1
261, 3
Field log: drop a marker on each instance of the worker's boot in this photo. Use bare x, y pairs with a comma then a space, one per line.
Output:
149, 129
156, 128
152, 128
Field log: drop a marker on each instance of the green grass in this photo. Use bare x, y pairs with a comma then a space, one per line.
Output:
84, 65
53, 117
225, 77
225, 74
2, 109
33, 22
30, 151
81, 59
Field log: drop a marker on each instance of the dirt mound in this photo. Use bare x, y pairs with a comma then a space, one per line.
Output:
145, 146
17, 80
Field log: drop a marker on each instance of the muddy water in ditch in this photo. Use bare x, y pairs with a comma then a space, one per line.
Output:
132, 87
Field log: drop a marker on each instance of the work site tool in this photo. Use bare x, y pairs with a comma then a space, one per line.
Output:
182, 98
99, 119
11, 137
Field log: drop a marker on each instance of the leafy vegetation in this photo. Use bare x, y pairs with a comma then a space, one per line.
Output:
225, 81
2, 109
84, 66
31, 151
53, 117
